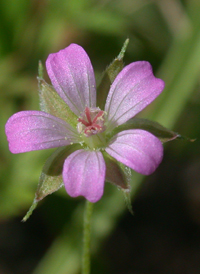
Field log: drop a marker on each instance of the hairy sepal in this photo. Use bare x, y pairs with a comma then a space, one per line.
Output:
109, 76
51, 177
162, 133
52, 103
117, 173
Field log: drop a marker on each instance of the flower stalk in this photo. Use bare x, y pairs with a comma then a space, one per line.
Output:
86, 237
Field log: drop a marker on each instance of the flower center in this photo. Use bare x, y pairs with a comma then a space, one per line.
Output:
91, 121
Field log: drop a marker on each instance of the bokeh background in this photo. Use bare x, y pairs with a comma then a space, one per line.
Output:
163, 236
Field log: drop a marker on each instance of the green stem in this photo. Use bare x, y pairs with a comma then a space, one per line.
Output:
87, 237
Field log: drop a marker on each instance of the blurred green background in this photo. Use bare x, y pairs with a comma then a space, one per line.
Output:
163, 236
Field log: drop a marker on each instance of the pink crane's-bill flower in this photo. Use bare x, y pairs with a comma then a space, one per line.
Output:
84, 170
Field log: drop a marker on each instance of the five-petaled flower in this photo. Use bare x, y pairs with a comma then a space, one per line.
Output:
84, 170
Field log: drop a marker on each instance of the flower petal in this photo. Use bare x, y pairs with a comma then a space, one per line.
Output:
133, 89
137, 149
35, 130
51, 177
84, 174
72, 75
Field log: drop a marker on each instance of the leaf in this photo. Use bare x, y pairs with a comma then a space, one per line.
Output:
155, 128
52, 103
109, 76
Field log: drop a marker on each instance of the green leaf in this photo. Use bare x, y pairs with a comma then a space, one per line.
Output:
52, 103
109, 76
155, 128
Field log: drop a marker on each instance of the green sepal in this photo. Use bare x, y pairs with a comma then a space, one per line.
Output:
155, 128
119, 175
127, 197
109, 76
116, 172
52, 103
51, 177
126, 192
30, 211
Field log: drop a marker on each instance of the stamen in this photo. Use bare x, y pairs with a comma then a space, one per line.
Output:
97, 126
83, 122
87, 112
97, 116
91, 122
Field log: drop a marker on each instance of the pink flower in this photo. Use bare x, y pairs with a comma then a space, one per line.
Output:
84, 170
